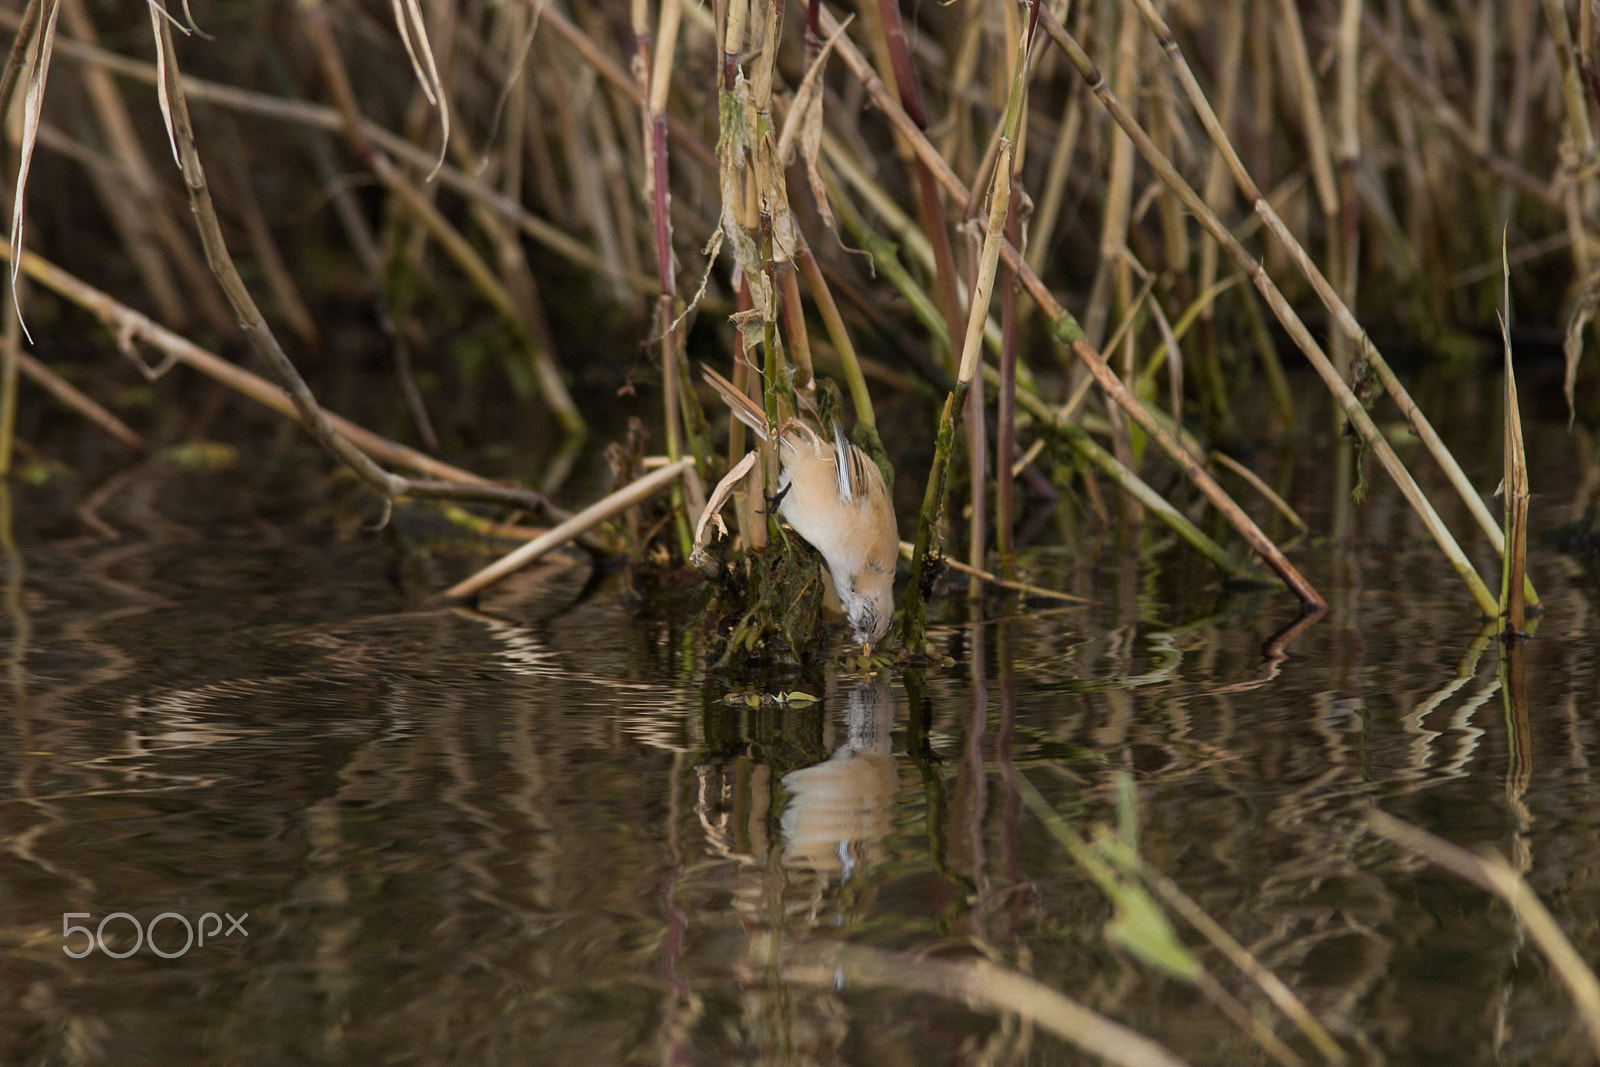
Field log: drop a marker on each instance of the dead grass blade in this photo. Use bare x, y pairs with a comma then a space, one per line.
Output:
32, 106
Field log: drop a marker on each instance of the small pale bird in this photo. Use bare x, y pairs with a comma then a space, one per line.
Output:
835, 498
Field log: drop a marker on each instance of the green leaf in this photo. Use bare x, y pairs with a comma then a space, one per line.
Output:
1141, 927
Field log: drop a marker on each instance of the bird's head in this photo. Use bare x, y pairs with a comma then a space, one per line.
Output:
869, 605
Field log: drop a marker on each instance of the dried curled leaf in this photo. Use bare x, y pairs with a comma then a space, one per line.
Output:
408, 20
804, 124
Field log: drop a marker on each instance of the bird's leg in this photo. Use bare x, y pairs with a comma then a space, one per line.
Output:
775, 501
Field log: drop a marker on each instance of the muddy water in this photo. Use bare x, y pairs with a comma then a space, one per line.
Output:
540, 832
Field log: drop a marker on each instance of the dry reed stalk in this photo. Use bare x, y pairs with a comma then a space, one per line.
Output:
1272, 497
793, 314
12, 334
279, 281
1000, 189
129, 325
1578, 146
591, 213
1484, 38
1304, 85
619, 142
1112, 280
324, 117
1417, 84
682, 135
584, 521
38, 52
1135, 487
1517, 107
1514, 485
25, 24
544, 80
134, 216
262, 340
1174, 230
1263, 281
956, 141
148, 204
1215, 191
833, 322
1047, 209
1343, 242
421, 207
1067, 329
655, 58
747, 504
1493, 874
1347, 321
907, 550
1581, 145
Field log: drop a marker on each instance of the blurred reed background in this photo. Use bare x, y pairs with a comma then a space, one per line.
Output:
475, 210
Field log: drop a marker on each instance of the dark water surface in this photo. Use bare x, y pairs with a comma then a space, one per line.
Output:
537, 833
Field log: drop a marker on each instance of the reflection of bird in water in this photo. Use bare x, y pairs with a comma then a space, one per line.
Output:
841, 811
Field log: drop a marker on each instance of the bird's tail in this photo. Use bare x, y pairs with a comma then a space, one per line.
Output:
744, 409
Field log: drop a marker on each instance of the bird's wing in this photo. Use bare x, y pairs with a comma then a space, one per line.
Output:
848, 467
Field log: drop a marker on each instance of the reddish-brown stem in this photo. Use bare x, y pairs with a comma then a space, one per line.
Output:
930, 208
978, 473
1006, 402
663, 221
